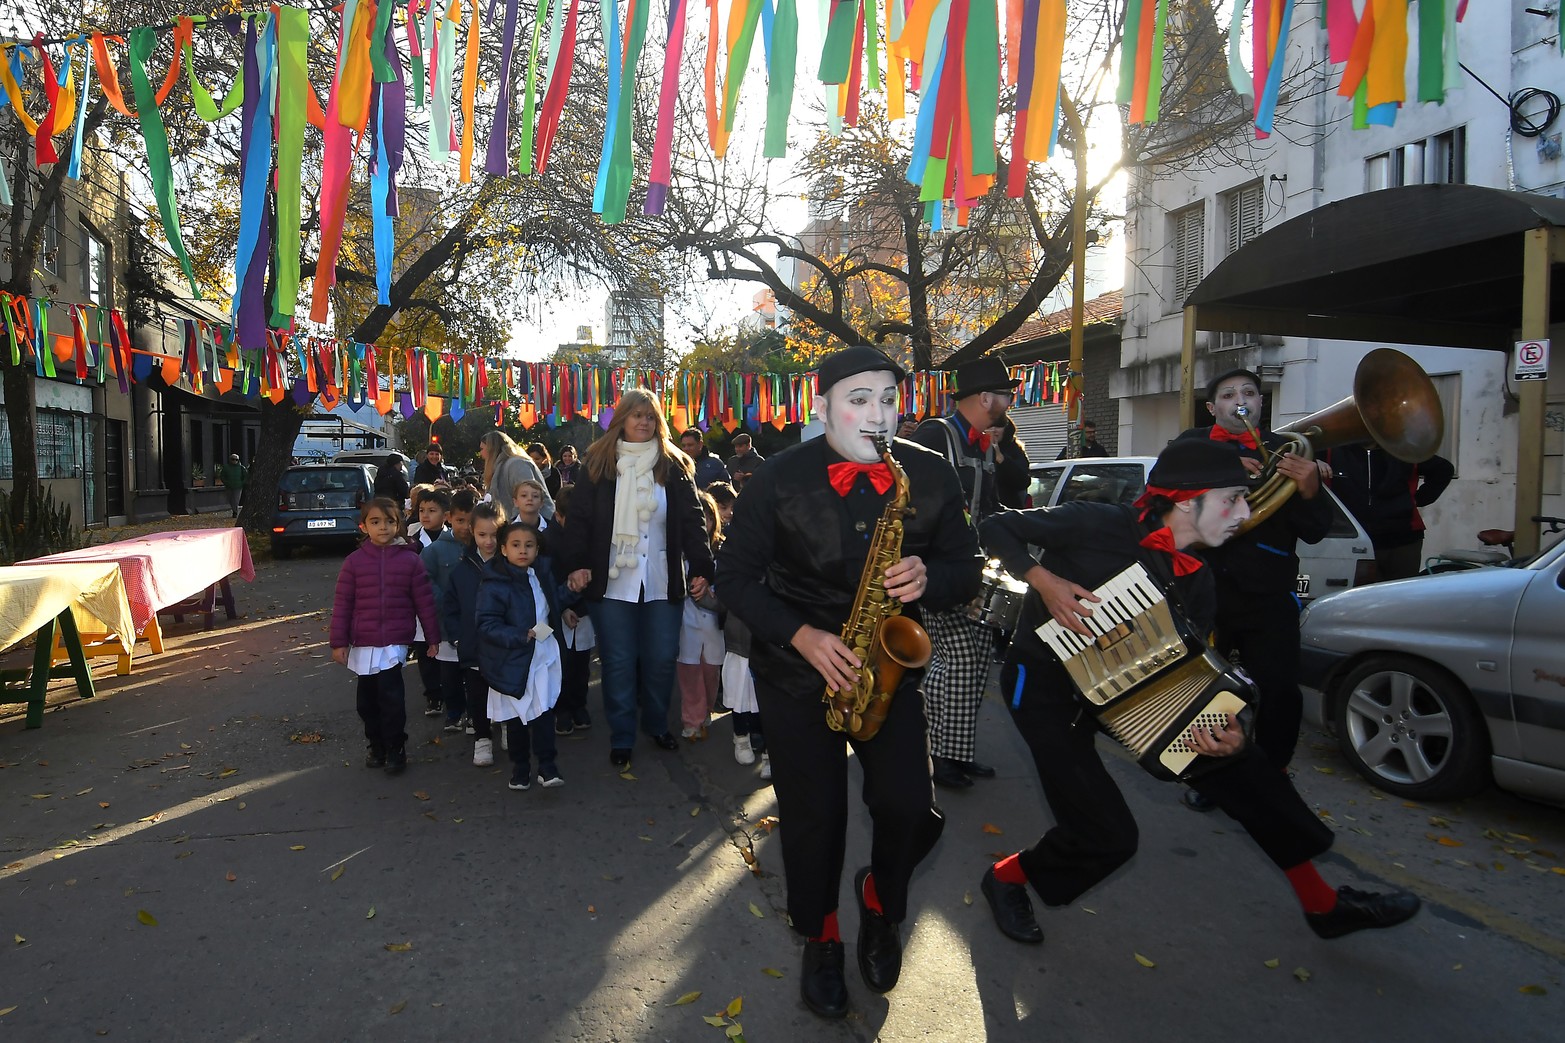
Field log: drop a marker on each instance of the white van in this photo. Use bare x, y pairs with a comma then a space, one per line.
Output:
1345, 558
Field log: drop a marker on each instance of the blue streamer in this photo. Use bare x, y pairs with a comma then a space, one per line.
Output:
924, 128
74, 169
767, 14
257, 171
1268, 106
380, 193
615, 53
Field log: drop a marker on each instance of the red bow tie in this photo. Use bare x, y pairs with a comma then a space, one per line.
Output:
1163, 540
978, 438
842, 476
1222, 434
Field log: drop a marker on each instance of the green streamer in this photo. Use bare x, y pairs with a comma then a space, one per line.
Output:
621, 165
738, 62
293, 79
780, 78
1155, 78
1128, 53
1361, 105
384, 73
981, 65
1431, 50
417, 58
205, 107
529, 97
837, 50
143, 41
872, 39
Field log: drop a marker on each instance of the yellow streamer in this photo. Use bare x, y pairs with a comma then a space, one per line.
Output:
915, 31
1048, 53
14, 92
1387, 75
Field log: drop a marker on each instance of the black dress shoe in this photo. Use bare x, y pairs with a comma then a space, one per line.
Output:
947, 774
375, 756
1357, 910
666, 741
880, 943
1012, 909
821, 984
620, 759
396, 761
973, 768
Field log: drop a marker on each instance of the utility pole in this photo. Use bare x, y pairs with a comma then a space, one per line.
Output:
1073, 378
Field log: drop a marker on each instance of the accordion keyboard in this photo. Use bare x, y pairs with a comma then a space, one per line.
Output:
1134, 637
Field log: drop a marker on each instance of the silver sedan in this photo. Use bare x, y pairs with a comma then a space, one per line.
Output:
1436, 685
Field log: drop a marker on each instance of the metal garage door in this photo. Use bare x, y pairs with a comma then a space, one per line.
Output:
1042, 430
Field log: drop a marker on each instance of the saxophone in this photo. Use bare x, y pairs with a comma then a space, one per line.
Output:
886, 642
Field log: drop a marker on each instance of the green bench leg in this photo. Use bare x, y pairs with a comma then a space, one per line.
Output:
70, 637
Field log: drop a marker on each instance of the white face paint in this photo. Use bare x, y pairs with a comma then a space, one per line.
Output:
858, 408
1216, 515
1229, 396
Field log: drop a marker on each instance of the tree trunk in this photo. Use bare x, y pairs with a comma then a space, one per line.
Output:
280, 425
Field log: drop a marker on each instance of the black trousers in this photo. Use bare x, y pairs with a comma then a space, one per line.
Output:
477, 692
810, 777
1094, 832
1264, 630
382, 709
575, 679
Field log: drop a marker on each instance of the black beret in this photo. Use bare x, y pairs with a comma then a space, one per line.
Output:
861, 358
1215, 382
1198, 463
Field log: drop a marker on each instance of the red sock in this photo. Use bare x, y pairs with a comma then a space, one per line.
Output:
871, 898
829, 932
1315, 895
1009, 870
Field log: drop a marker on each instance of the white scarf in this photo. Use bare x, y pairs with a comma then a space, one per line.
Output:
633, 498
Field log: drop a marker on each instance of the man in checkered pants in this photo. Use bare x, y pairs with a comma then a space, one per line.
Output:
954, 683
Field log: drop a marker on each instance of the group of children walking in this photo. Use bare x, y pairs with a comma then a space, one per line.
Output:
470, 592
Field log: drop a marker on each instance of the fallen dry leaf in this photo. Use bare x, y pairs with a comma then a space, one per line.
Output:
84, 792
967, 898
1325, 770
689, 997
147, 918
735, 1005
1448, 842
20, 940
340, 870
695, 811
1144, 961
1558, 869
42, 796
990, 827
716, 1020
420, 794
6, 1010
1301, 973
296, 847
627, 776
755, 911
371, 914
592, 910
225, 774
230, 877
1533, 990
398, 1007
1273, 964
772, 971
103, 803
399, 946
768, 823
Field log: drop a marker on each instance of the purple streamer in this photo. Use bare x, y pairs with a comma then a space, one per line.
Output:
497, 158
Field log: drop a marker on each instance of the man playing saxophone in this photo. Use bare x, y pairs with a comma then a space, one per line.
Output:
791, 569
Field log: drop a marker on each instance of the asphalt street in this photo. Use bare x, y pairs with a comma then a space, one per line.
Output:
198, 853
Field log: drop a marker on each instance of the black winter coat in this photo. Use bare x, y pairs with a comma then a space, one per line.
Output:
588, 542
505, 612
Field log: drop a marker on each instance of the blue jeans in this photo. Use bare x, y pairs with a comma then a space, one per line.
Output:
637, 645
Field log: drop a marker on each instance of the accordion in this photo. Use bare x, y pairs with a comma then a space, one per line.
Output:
1146, 675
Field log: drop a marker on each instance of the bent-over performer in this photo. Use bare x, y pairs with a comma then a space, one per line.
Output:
790, 570
1194, 499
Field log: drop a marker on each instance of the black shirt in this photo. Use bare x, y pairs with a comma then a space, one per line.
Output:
939, 434
795, 551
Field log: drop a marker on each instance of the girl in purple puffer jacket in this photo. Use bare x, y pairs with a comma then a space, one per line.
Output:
381, 591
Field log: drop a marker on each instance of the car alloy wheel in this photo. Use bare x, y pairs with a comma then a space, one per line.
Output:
1411, 728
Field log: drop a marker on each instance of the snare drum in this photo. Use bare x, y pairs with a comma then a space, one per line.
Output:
1000, 599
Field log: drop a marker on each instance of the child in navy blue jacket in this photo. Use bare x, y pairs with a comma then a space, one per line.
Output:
517, 615
459, 617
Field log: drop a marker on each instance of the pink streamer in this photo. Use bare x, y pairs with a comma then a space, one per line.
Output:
1260, 65
663, 142
336, 165
1341, 26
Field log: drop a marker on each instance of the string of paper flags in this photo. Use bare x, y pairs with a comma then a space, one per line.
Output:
211, 363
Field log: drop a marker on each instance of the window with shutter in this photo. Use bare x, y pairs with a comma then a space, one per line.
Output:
1189, 251
1243, 207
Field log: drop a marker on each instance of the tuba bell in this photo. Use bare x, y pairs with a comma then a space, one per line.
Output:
1394, 405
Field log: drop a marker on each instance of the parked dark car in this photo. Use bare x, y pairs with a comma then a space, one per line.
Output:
319, 503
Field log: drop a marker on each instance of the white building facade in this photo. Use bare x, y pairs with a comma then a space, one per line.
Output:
1181, 223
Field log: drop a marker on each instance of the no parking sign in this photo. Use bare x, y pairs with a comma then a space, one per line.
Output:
1532, 360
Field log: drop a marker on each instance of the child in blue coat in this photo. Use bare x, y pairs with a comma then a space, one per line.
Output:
517, 615
459, 617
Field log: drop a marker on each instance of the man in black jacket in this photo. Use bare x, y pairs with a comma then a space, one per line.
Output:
954, 686
1384, 494
432, 470
790, 569
1194, 499
1257, 572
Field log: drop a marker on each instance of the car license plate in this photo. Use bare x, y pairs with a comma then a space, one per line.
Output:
321, 523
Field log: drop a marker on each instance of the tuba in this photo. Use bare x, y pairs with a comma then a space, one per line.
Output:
886, 642
1394, 405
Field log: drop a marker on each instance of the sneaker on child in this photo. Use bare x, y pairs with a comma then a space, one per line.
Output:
549, 777
453, 724
521, 778
742, 751
483, 753
433, 708
563, 726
